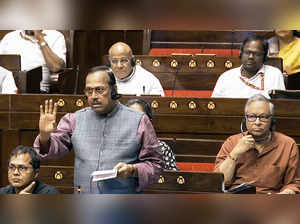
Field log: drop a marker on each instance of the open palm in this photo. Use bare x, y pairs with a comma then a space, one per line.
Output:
47, 122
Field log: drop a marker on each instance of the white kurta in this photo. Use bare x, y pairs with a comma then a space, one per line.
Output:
140, 82
31, 54
229, 84
7, 82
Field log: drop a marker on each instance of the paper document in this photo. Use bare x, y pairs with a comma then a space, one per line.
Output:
104, 174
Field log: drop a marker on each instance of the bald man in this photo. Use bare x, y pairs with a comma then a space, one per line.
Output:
131, 78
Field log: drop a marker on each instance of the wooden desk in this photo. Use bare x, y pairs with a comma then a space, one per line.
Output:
191, 121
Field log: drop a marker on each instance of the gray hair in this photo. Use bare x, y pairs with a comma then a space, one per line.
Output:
259, 97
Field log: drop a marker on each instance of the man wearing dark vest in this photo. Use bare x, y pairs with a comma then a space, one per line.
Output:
105, 136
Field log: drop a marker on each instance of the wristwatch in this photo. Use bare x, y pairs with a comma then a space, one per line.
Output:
43, 43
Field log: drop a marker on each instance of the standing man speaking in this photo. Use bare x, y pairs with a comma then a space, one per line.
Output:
106, 135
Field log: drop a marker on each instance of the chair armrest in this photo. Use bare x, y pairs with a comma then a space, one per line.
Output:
28, 81
65, 81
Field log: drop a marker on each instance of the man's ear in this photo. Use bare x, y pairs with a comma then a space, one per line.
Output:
36, 173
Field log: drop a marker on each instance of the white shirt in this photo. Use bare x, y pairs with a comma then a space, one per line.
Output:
7, 82
31, 54
230, 84
140, 82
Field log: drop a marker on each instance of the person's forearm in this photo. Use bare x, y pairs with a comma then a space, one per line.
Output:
228, 168
54, 62
44, 143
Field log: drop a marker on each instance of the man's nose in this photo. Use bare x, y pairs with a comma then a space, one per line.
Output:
250, 55
119, 64
94, 94
257, 121
16, 171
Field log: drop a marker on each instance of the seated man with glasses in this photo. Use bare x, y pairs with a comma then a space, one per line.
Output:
131, 78
106, 136
23, 170
259, 155
252, 77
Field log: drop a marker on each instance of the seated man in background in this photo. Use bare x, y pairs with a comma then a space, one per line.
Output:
131, 78
46, 48
23, 170
7, 82
252, 77
259, 155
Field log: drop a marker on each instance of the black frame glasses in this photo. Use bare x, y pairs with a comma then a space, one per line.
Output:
261, 117
122, 61
254, 53
21, 168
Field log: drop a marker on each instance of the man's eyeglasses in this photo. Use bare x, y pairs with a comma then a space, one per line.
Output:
262, 117
254, 53
98, 91
122, 61
21, 169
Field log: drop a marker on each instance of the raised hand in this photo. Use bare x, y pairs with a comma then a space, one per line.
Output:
47, 122
28, 189
39, 35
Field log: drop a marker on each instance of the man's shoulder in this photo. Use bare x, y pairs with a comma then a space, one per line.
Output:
53, 33
83, 110
7, 190
231, 72
269, 69
4, 71
283, 138
43, 188
15, 33
234, 138
130, 111
141, 71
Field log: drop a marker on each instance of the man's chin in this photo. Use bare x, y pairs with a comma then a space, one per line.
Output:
17, 185
258, 134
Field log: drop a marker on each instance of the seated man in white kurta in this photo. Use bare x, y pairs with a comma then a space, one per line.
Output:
252, 77
46, 48
131, 78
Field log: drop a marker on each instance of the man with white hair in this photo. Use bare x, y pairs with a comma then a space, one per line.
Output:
259, 155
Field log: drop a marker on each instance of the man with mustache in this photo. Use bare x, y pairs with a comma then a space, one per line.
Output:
46, 48
131, 78
106, 135
252, 77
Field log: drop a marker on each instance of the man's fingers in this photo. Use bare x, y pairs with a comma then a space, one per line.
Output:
29, 188
46, 106
41, 110
118, 166
55, 109
50, 106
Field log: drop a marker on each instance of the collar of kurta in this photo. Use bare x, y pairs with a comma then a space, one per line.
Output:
258, 73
